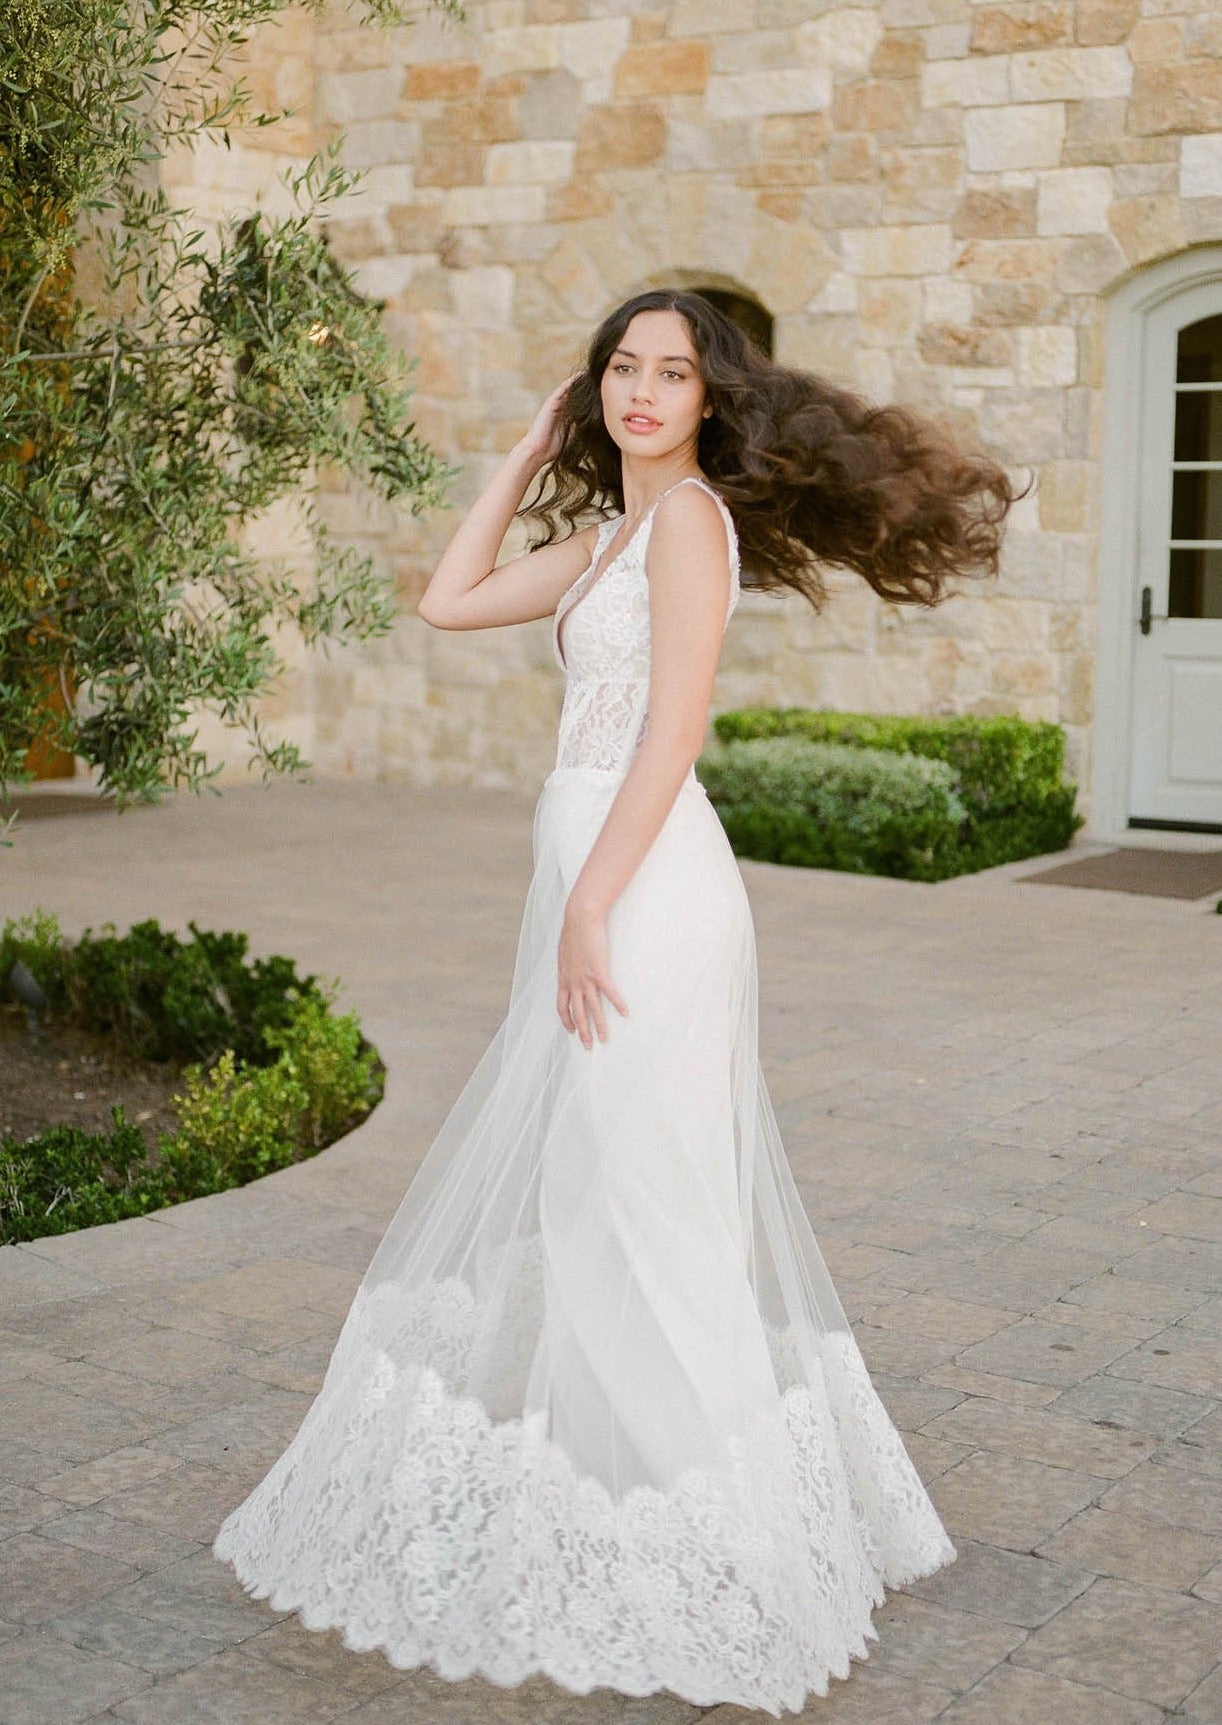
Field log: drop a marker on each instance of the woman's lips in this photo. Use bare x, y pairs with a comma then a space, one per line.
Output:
641, 422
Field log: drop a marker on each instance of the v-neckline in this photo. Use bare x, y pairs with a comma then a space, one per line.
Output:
563, 609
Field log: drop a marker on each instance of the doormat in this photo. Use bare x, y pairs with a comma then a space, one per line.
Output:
1138, 868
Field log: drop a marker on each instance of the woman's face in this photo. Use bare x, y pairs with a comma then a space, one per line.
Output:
652, 392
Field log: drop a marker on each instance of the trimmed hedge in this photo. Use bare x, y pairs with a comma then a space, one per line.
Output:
307, 1076
1005, 771
824, 805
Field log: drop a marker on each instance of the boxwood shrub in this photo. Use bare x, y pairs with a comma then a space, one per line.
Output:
1006, 772
283, 1073
826, 805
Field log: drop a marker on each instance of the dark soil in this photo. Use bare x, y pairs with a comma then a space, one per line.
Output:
66, 1077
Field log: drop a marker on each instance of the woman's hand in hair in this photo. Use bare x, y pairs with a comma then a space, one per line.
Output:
543, 439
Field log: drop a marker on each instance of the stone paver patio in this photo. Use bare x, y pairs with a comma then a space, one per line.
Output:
1003, 1104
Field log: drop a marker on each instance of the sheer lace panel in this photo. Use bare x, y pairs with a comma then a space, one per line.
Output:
605, 653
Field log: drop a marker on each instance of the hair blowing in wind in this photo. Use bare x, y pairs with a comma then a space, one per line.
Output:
814, 475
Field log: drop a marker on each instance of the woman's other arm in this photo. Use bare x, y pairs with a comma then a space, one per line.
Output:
688, 565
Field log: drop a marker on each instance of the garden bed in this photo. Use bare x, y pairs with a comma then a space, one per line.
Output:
161, 1069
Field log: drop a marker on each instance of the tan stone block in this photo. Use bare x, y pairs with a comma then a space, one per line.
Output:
1070, 74
973, 83
415, 227
1007, 29
631, 137
1201, 167
530, 161
1074, 201
1046, 356
352, 50
1023, 425
844, 39
898, 56
1101, 23
853, 156
791, 148
954, 344
448, 156
784, 203
1181, 98
1156, 41
442, 81
571, 275
1023, 674
879, 105
1089, 264
898, 251
1067, 498
909, 173
750, 95
524, 48
753, 51
1008, 625
1017, 137
1148, 227
789, 263
1202, 220
705, 17
998, 212
590, 48
1006, 260
888, 311
353, 241
478, 206
661, 69
577, 201
648, 26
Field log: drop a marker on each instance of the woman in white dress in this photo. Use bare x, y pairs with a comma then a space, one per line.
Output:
596, 1411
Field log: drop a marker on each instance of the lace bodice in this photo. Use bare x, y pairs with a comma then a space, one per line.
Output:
605, 654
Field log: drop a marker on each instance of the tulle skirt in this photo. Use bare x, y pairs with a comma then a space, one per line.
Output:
596, 1410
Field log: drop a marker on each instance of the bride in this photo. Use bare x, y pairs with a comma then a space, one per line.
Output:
596, 1411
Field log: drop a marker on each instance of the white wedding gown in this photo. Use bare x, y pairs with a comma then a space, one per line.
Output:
596, 1410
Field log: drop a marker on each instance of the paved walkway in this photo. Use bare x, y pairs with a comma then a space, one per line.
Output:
1003, 1103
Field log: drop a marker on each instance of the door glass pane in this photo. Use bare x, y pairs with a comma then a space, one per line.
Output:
1196, 506
1195, 587
1198, 413
1199, 357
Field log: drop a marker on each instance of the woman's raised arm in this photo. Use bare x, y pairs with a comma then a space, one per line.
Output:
465, 590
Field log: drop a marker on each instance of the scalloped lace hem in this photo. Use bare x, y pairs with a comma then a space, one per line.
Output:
411, 1521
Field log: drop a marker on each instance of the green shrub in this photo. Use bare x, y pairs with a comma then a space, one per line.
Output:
157, 996
66, 1179
1007, 770
821, 805
295, 1077
237, 1122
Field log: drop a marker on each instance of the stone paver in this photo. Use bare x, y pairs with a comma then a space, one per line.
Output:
1003, 1107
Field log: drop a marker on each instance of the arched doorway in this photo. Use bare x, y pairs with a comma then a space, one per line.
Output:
1159, 710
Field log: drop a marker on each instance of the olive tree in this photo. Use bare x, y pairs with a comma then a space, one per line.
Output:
211, 374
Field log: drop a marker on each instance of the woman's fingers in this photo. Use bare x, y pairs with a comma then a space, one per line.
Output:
581, 1007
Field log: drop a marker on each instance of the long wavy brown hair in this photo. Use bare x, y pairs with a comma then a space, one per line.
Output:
813, 475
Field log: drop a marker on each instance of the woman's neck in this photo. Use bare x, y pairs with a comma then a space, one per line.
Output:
642, 482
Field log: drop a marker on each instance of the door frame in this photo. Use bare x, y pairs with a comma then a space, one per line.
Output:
1127, 309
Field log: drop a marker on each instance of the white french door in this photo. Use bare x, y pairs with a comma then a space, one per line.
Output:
1175, 764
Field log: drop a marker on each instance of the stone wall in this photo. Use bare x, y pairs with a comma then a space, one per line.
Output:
930, 197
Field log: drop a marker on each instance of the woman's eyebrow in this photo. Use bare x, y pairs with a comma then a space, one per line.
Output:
628, 354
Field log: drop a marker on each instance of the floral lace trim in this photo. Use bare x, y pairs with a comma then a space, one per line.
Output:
407, 1517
